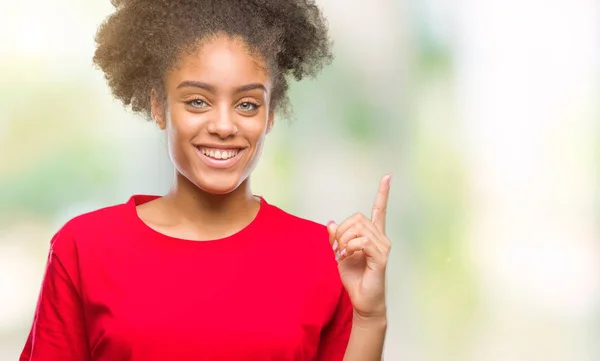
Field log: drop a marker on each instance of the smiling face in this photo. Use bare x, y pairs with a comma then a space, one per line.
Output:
216, 113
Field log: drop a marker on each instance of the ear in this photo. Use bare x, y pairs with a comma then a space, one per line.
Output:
270, 121
157, 108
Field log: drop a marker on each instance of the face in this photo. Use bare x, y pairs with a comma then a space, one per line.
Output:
216, 114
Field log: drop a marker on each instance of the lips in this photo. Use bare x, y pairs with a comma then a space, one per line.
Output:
219, 158
219, 154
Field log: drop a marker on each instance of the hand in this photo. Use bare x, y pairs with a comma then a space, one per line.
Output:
362, 250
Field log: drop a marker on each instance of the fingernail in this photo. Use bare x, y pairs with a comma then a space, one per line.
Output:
337, 256
330, 223
343, 253
335, 246
389, 178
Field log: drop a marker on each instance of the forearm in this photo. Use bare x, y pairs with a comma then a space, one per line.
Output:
366, 339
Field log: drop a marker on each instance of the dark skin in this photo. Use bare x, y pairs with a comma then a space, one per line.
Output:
218, 98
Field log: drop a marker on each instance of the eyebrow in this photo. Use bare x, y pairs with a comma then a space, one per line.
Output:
210, 88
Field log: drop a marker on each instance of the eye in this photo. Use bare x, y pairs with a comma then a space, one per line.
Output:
247, 106
197, 103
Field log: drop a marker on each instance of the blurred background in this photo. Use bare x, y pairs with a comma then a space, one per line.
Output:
486, 112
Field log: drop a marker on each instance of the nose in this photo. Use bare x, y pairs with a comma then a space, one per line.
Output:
222, 124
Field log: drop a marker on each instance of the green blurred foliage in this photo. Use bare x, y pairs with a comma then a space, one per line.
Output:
67, 176
56, 159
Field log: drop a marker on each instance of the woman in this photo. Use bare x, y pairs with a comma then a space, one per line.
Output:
209, 271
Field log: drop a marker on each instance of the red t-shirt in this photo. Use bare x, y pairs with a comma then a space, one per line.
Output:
115, 289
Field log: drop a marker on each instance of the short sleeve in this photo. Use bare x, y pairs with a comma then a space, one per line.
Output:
58, 330
335, 336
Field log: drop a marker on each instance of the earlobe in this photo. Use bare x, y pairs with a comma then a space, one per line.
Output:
157, 110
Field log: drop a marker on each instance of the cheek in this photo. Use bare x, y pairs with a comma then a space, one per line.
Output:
180, 131
258, 132
258, 126
180, 124
258, 146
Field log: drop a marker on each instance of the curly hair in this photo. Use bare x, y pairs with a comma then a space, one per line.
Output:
143, 39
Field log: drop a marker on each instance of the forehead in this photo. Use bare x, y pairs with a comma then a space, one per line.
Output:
222, 61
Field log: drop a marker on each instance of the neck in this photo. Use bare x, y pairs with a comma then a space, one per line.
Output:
212, 211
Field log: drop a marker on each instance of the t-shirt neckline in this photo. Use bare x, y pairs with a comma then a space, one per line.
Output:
138, 199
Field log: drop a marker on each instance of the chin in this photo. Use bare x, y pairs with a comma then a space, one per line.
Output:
218, 185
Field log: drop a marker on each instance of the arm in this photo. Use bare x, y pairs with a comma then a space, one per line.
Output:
58, 331
362, 248
366, 339
351, 337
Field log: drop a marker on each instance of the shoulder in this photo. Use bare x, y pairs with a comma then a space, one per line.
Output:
90, 226
309, 254
97, 220
299, 231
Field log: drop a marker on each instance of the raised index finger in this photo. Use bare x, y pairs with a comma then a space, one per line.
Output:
380, 205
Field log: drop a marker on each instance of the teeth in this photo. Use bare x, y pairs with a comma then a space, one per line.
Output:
219, 154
